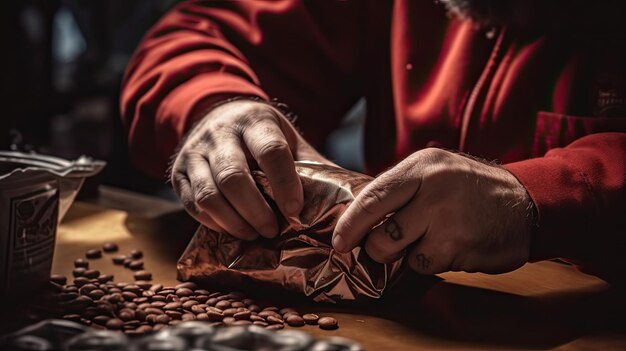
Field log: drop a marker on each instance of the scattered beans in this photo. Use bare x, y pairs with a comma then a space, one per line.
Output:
136, 265
119, 259
142, 275
136, 254
94, 299
327, 323
311, 318
110, 247
93, 253
81, 262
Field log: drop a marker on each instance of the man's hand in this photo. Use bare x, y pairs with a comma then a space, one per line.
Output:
450, 213
211, 173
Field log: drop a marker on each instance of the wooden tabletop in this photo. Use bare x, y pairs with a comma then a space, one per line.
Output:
545, 305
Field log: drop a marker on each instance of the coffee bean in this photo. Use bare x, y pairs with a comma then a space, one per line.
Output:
202, 298
254, 308
131, 305
172, 298
224, 304
110, 247
119, 259
295, 320
140, 315
248, 302
188, 304
144, 329
162, 318
275, 326
58, 279
166, 292
136, 254
261, 323
142, 275
144, 284
201, 292
311, 318
80, 281
126, 314
256, 318
103, 278
152, 310
215, 316
136, 265
237, 304
242, 315
131, 324
266, 314
93, 253
114, 324
188, 317
228, 320
215, 294
158, 304
70, 288
79, 272
172, 306
202, 317
127, 261
128, 296
135, 289
96, 294
174, 314
158, 298
327, 323
271, 308
101, 319
156, 287
273, 320
186, 285
211, 301
81, 263
200, 308
180, 292
91, 274
286, 310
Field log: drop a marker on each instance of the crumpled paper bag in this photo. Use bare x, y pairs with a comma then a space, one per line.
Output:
301, 257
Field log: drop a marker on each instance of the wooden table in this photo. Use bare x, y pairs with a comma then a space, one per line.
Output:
545, 305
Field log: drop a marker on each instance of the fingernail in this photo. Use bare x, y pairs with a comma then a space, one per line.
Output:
292, 207
338, 243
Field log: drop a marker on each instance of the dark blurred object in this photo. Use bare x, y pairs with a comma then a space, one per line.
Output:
65, 335
301, 258
61, 75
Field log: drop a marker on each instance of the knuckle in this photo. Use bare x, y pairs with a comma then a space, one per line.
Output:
229, 175
371, 200
205, 195
190, 206
274, 151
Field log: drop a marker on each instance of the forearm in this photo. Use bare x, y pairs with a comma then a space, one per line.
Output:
579, 193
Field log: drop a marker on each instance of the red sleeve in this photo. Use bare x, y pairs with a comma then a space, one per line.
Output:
579, 192
203, 52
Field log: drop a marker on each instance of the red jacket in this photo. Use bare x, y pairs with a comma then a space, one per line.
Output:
550, 106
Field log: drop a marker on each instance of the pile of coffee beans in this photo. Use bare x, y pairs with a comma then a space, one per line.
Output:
141, 307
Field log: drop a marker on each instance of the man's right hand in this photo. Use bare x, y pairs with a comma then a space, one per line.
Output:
211, 173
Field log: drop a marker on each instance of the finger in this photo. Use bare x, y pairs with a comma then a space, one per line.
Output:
208, 198
433, 254
182, 187
387, 242
383, 195
231, 175
269, 148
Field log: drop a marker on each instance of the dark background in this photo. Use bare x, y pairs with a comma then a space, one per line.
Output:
62, 64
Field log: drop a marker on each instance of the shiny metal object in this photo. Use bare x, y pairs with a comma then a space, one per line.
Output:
301, 257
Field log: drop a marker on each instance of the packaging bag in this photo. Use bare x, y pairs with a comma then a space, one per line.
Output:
301, 257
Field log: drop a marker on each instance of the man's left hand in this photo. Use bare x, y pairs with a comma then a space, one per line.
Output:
448, 213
